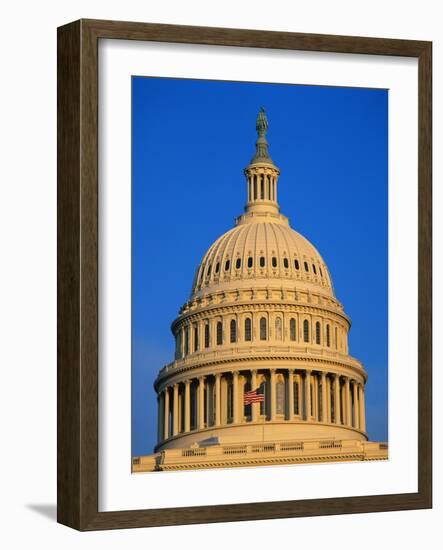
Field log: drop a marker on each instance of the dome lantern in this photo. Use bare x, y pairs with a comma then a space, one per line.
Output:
262, 174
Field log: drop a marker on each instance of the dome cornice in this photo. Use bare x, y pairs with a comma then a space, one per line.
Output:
344, 365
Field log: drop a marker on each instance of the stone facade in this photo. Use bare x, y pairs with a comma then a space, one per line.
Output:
262, 315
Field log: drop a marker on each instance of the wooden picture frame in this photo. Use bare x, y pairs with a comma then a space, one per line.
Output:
77, 479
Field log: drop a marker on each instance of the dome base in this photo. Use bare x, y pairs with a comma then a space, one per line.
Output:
253, 432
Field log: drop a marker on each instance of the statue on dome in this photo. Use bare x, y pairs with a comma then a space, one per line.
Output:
262, 123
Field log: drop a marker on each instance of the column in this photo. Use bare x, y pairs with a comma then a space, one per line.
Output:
166, 414
175, 410
201, 403
235, 396
254, 406
324, 394
300, 395
290, 394
217, 399
182, 342
159, 418
348, 416
328, 399
356, 407
315, 394
273, 396
187, 406
308, 395
337, 399
362, 408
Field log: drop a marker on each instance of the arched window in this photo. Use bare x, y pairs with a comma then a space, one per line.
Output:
248, 330
314, 269
278, 329
306, 266
286, 263
209, 270
238, 263
274, 261
306, 330
186, 351
195, 337
292, 330
328, 336
177, 345
255, 188
262, 261
317, 333
233, 331
280, 397
207, 335
336, 338
263, 328
296, 264
250, 262
262, 187
227, 264
219, 333
217, 267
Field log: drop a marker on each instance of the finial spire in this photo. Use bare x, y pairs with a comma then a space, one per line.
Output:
261, 145
261, 177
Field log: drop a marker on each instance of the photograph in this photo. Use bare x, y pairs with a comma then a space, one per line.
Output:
259, 274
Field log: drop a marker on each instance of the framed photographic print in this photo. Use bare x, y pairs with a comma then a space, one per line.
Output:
229, 203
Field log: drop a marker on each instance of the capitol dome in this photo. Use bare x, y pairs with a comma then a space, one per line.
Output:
261, 250
261, 358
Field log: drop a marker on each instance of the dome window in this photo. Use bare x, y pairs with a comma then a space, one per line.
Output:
196, 343
248, 330
314, 269
227, 264
286, 263
186, 346
217, 267
317, 333
306, 331
250, 262
274, 261
208, 274
238, 263
233, 330
328, 336
292, 330
306, 266
321, 272
219, 333
262, 261
296, 264
207, 335
263, 328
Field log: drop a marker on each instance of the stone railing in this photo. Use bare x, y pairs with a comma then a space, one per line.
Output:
266, 452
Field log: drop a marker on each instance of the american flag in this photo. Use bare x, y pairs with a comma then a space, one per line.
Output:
254, 396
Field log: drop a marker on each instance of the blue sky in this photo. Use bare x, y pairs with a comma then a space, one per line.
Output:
191, 140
